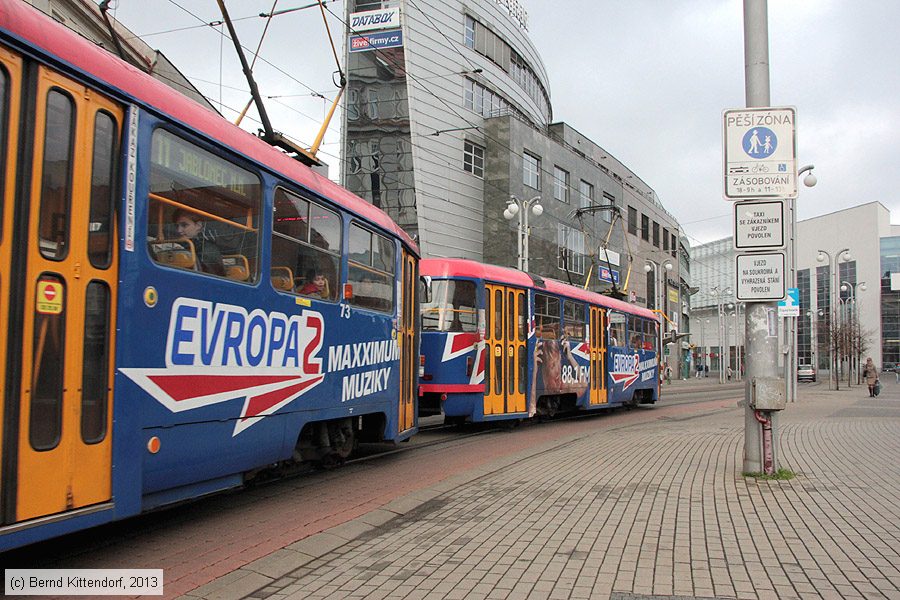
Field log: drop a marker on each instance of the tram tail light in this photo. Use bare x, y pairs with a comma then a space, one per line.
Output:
348, 291
422, 368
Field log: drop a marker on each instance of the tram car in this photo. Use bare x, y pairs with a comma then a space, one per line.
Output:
184, 304
499, 344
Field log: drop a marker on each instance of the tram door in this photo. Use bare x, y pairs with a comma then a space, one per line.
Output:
505, 344
598, 356
64, 297
407, 341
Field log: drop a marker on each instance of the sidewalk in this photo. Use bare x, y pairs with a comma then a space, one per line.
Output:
656, 509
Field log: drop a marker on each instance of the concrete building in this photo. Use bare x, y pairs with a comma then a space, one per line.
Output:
448, 115
868, 283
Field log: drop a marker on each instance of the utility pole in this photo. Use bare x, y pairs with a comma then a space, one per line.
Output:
761, 320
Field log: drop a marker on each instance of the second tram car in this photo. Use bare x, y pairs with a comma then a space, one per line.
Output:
498, 344
183, 303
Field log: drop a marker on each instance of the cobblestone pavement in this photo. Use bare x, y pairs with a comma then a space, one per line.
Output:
655, 510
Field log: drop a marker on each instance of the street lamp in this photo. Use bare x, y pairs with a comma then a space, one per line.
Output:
852, 335
720, 315
813, 348
520, 208
737, 340
790, 326
703, 353
833, 267
651, 265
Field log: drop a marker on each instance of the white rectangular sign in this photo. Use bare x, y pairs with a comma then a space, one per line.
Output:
370, 20
760, 153
760, 277
759, 225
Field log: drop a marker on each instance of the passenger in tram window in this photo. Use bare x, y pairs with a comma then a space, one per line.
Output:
316, 285
190, 226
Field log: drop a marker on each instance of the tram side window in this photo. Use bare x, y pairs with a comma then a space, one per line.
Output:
56, 176
371, 275
616, 329
546, 316
635, 333
450, 306
573, 317
306, 247
203, 210
103, 178
650, 337
4, 110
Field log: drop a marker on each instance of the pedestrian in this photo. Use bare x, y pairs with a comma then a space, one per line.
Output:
871, 375
699, 371
897, 372
668, 372
728, 373
706, 370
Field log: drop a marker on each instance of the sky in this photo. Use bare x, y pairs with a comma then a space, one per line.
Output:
647, 80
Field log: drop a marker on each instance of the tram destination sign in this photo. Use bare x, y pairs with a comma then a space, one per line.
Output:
760, 153
760, 277
759, 225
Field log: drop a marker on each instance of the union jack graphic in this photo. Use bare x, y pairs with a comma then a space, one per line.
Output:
187, 388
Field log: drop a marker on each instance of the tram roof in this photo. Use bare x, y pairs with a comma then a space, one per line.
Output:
460, 267
32, 26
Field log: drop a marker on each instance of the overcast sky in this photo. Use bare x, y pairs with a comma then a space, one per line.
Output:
646, 79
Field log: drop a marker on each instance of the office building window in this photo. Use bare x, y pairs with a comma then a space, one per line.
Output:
674, 246
531, 171
570, 244
609, 200
665, 239
632, 220
561, 184
645, 228
473, 159
585, 194
656, 234
470, 32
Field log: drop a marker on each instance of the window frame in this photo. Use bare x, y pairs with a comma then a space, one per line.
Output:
560, 184
371, 268
531, 170
471, 158
255, 204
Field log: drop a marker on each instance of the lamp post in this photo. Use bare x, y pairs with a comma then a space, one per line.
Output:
520, 208
703, 354
853, 332
833, 267
658, 298
790, 325
719, 293
737, 340
813, 349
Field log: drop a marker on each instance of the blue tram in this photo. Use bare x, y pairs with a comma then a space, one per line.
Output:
184, 304
498, 344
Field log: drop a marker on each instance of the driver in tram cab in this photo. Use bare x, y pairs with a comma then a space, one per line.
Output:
189, 225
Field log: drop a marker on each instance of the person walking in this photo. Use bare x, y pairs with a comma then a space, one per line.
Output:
870, 373
728, 373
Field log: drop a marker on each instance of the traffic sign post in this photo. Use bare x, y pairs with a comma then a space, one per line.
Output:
760, 153
760, 277
759, 225
790, 306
